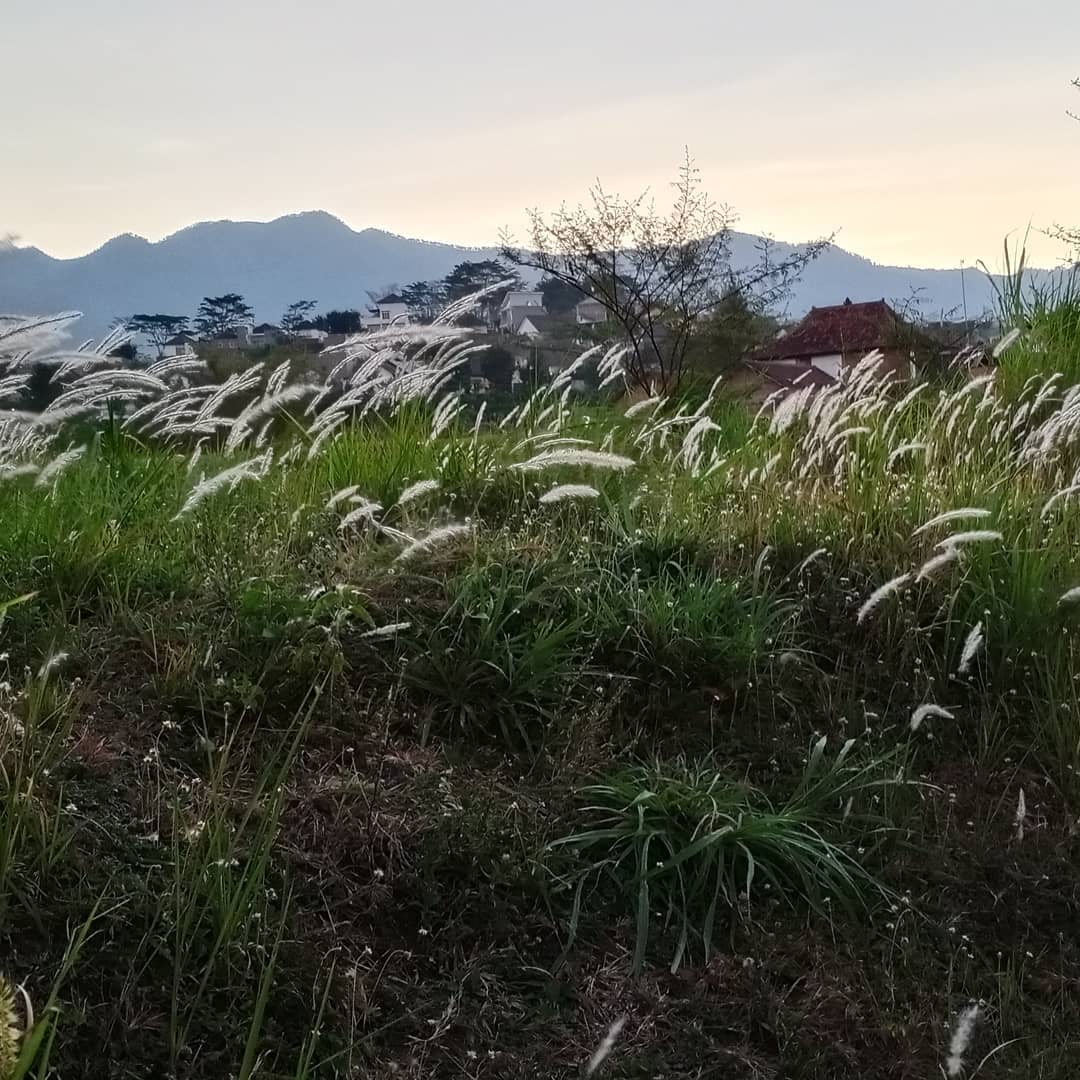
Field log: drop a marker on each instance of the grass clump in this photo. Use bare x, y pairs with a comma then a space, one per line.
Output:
686, 843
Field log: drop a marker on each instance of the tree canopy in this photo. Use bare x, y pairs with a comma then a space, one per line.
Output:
656, 273
339, 322
220, 314
157, 329
296, 314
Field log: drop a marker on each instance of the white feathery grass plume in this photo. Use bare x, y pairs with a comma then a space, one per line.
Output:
479, 419
789, 410
642, 406
387, 631
925, 712
366, 512
436, 538
234, 384
1020, 817
53, 417
879, 595
452, 312
341, 495
1007, 342
13, 385
973, 645
277, 378
509, 418
607, 1043
963, 514
961, 1036
122, 377
195, 455
51, 663
264, 406
568, 373
1054, 499
58, 464
938, 562
545, 413
613, 376
903, 450
847, 433
176, 365
810, 560
706, 404
417, 491
253, 469
593, 459
569, 491
327, 432
974, 536
1070, 596
13, 472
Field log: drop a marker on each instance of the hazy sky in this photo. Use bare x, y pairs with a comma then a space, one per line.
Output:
923, 132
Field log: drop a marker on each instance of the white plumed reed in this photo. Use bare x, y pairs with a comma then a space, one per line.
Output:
1069, 597
880, 595
417, 491
973, 645
607, 1044
58, 464
592, 459
961, 1036
341, 495
253, 469
434, 539
964, 514
569, 491
365, 512
938, 562
925, 712
974, 536
388, 631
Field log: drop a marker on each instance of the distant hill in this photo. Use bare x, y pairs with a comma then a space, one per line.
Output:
316, 256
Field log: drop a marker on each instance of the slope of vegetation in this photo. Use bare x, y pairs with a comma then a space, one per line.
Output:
349, 733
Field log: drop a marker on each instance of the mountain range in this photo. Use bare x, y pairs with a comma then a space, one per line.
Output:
316, 256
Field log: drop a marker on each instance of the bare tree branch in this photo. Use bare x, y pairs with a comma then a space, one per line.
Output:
657, 274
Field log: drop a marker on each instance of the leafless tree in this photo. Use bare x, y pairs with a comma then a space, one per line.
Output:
656, 273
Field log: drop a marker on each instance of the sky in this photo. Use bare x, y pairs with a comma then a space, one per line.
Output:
920, 134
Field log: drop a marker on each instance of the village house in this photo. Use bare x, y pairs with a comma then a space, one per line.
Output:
589, 312
179, 345
831, 340
533, 324
390, 310
267, 334
516, 306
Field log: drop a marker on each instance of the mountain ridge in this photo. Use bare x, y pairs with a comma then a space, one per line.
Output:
314, 254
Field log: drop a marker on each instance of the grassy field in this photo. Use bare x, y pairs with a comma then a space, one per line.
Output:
348, 733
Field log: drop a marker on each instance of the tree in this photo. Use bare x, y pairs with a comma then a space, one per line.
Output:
470, 277
126, 352
425, 298
656, 274
296, 314
497, 366
220, 314
560, 297
339, 322
726, 334
1070, 234
157, 329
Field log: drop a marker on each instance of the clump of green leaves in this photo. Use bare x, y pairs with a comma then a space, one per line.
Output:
503, 658
684, 842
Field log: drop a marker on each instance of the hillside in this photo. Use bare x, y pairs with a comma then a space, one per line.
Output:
315, 255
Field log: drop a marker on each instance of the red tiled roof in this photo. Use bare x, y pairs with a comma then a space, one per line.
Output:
844, 328
794, 375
